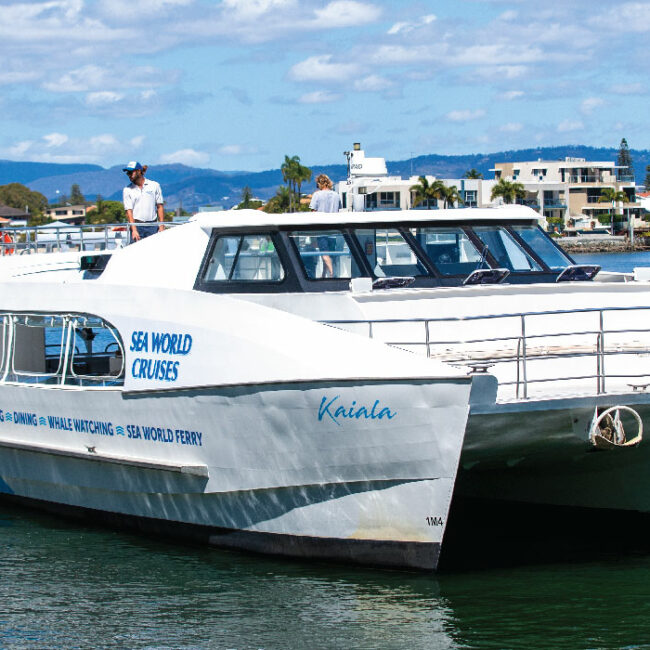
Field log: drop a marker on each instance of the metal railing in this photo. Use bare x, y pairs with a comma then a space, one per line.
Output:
27, 240
522, 351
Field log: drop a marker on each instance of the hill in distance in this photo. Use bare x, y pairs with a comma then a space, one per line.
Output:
194, 186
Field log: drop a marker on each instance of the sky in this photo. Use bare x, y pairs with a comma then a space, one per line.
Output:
239, 84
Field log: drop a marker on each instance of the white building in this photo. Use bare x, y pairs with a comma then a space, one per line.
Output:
369, 187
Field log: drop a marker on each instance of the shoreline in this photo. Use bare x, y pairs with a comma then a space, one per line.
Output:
600, 245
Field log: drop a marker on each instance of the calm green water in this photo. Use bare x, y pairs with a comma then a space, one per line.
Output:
66, 585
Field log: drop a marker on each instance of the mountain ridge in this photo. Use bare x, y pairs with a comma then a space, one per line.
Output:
193, 186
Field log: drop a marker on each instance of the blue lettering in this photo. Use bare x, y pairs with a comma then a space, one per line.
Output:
139, 341
325, 409
155, 342
2, 416
334, 412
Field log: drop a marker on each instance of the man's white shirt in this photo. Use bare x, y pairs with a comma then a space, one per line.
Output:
143, 201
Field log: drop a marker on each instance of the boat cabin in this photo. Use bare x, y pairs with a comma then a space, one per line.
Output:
388, 250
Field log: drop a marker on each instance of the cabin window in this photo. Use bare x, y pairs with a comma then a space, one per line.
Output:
38, 348
96, 352
506, 251
61, 349
324, 254
244, 258
388, 253
552, 256
450, 250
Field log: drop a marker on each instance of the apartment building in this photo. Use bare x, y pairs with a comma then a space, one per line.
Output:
75, 214
571, 188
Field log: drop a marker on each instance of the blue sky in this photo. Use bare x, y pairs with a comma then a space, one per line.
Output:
237, 84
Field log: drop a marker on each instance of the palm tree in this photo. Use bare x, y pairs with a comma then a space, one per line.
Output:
452, 196
280, 202
472, 173
303, 175
613, 196
424, 191
508, 191
289, 174
421, 191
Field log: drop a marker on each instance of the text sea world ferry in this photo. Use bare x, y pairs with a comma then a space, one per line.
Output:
301, 383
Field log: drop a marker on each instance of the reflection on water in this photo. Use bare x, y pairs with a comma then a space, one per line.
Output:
64, 584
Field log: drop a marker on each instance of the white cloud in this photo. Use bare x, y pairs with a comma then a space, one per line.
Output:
511, 127
372, 83
590, 104
246, 10
236, 150
623, 17
319, 97
465, 115
189, 157
102, 98
320, 68
55, 139
629, 89
512, 94
347, 13
405, 26
567, 126
59, 148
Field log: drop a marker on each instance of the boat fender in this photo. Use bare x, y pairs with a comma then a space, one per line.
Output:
7, 239
607, 430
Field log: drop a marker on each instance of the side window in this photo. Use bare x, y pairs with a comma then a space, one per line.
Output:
97, 357
244, 258
38, 349
388, 253
61, 349
325, 254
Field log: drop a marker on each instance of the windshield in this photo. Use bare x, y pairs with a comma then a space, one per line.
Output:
554, 258
388, 253
449, 249
324, 254
506, 251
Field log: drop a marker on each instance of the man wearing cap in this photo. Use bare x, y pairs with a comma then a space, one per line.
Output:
143, 202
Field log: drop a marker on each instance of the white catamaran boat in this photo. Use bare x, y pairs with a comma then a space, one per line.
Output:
300, 384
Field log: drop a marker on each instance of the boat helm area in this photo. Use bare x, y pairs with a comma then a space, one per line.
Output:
311, 258
60, 350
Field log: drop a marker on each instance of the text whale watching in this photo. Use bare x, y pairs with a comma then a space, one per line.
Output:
320, 384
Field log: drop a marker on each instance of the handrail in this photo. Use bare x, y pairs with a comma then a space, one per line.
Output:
522, 353
47, 238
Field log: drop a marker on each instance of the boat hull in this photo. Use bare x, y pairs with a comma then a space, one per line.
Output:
291, 469
540, 451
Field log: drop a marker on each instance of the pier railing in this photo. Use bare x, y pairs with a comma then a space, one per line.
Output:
590, 346
27, 240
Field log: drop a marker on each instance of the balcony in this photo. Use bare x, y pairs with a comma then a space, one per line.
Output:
554, 205
587, 178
